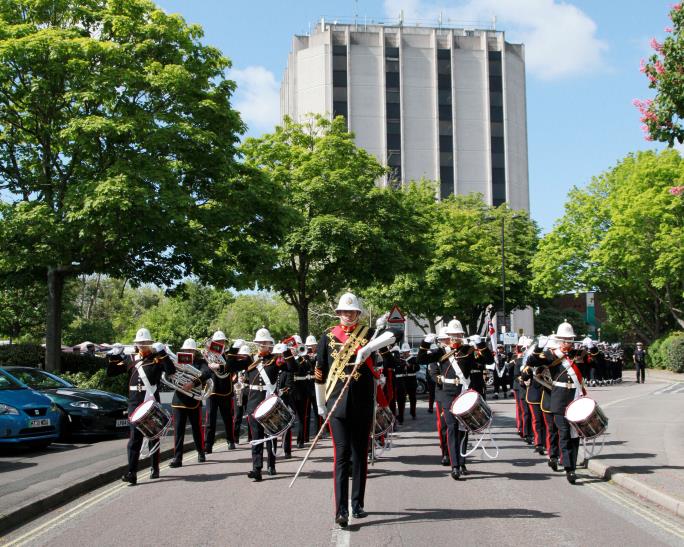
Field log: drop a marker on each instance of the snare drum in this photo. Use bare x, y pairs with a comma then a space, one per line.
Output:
471, 411
151, 419
586, 417
274, 415
384, 419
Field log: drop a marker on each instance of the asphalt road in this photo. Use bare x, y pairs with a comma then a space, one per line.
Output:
513, 500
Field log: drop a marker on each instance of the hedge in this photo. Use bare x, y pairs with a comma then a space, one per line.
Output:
667, 352
98, 380
33, 355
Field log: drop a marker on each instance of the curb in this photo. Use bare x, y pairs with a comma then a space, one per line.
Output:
637, 487
33, 509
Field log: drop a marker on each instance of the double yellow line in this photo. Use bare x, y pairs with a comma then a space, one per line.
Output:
611, 492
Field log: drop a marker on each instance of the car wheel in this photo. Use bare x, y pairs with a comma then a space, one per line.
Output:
39, 445
421, 388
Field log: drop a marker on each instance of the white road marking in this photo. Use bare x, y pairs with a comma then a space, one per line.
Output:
667, 388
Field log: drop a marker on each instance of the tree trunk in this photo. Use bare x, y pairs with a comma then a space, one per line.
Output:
303, 316
53, 326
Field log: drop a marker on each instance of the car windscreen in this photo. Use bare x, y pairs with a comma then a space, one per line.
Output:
8, 383
37, 379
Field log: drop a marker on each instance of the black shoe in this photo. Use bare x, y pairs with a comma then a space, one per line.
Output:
505, 396
539, 450
130, 478
255, 475
300, 445
175, 463
496, 395
359, 513
231, 446
201, 458
207, 450
455, 473
528, 440
342, 519
271, 471
445, 460
553, 463
154, 473
287, 455
570, 475
464, 470
413, 416
430, 410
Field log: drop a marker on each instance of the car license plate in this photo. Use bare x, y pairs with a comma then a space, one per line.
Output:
39, 422
122, 423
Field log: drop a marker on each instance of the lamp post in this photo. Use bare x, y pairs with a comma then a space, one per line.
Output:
503, 266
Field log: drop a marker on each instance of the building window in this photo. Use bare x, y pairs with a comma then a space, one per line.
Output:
496, 129
393, 114
339, 80
446, 124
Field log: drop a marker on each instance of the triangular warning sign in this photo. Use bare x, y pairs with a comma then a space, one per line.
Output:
395, 315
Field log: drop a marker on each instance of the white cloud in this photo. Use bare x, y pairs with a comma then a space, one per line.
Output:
560, 39
257, 98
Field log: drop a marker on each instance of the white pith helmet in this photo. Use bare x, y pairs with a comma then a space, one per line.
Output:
311, 340
587, 342
475, 339
218, 336
348, 302
189, 344
244, 350
405, 347
565, 332
454, 327
443, 333
395, 347
263, 335
143, 335
297, 339
524, 341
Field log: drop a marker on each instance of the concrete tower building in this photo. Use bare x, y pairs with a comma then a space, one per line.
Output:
444, 104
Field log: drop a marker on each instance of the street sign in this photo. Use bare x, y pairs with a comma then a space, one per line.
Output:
395, 315
510, 339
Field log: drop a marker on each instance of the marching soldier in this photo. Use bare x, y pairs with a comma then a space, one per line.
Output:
311, 352
406, 371
483, 357
144, 374
221, 400
533, 397
302, 391
285, 386
240, 398
451, 366
563, 363
500, 372
186, 408
639, 359
350, 424
523, 418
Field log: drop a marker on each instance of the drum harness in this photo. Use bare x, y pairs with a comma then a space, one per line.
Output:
150, 390
269, 388
465, 382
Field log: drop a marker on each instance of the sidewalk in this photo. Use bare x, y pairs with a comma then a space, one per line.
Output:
644, 448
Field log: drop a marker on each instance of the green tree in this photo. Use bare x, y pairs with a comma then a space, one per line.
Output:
459, 273
249, 312
549, 317
117, 149
22, 310
339, 230
622, 237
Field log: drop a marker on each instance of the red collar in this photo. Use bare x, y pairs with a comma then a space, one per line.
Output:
348, 329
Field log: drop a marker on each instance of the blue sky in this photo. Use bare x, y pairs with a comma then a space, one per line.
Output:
582, 69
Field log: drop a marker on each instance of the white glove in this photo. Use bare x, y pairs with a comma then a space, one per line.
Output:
117, 349
381, 322
382, 380
476, 339
279, 349
158, 346
542, 341
322, 411
430, 338
238, 343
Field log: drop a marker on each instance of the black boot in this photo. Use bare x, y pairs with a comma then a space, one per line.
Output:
464, 470
231, 445
272, 470
154, 473
201, 458
455, 473
176, 463
553, 464
342, 519
445, 461
570, 475
130, 478
255, 475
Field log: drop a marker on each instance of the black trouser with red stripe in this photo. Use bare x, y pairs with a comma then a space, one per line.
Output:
552, 436
180, 417
350, 444
257, 432
569, 446
523, 418
538, 425
224, 405
302, 405
451, 438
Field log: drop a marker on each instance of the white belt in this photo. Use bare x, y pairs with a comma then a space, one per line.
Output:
258, 388
137, 388
455, 381
405, 375
302, 378
475, 372
566, 385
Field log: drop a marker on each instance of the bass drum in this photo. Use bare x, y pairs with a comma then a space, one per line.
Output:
274, 416
586, 417
471, 411
151, 419
384, 419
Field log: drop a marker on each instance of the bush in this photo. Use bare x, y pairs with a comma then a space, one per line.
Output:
98, 380
673, 348
82, 362
22, 355
654, 357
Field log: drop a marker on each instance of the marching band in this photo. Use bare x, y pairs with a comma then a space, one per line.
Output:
357, 381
